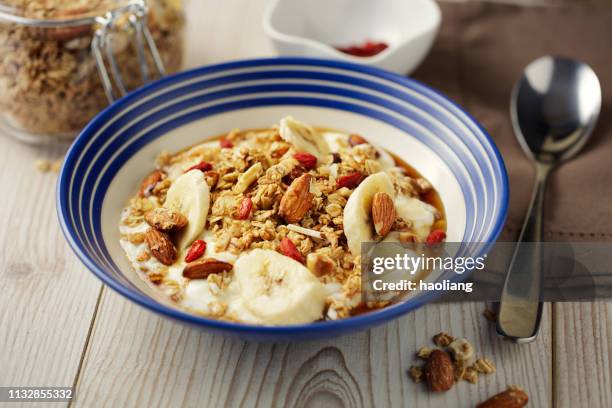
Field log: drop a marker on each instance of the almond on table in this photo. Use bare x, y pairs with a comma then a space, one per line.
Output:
513, 397
439, 371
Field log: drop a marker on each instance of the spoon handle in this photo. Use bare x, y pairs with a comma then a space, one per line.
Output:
520, 309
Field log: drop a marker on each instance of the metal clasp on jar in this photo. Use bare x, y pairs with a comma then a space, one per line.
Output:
102, 50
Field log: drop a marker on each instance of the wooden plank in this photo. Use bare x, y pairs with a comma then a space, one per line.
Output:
47, 299
136, 358
218, 33
583, 354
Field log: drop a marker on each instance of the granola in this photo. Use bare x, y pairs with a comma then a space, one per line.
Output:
49, 83
462, 352
270, 223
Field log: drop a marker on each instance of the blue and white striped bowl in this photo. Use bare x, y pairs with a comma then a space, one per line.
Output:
116, 150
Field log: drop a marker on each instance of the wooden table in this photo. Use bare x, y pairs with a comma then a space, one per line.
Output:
59, 326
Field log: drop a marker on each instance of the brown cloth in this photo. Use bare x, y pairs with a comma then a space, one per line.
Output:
480, 52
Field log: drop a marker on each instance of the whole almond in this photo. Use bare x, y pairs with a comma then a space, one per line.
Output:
383, 213
356, 139
164, 219
204, 267
439, 371
150, 181
297, 200
161, 246
511, 398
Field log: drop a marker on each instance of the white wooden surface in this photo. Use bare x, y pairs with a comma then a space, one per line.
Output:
59, 326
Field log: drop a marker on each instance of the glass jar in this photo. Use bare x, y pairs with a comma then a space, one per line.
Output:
61, 62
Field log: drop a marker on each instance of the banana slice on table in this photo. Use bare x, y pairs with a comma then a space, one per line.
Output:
278, 290
417, 212
189, 195
358, 226
303, 137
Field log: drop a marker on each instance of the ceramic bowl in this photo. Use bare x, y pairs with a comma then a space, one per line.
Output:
106, 163
314, 28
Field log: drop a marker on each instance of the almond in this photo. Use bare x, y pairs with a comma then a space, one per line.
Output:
150, 181
202, 268
383, 213
164, 219
356, 139
513, 397
278, 150
439, 371
161, 246
297, 200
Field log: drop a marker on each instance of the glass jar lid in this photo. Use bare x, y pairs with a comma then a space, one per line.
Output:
57, 12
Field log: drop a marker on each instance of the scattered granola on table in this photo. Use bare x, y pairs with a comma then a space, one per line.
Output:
49, 84
42, 165
456, 355
274, 222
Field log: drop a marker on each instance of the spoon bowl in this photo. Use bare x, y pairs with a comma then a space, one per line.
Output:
554, 108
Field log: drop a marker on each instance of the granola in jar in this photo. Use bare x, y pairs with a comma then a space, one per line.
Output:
49, 82
265, 226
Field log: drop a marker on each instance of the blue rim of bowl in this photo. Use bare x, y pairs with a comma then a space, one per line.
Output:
365, 320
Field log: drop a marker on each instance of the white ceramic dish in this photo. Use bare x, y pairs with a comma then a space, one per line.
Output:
314, 27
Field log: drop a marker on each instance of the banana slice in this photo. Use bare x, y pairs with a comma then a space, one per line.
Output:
278, 290
358, 226
189, 195
303, 137
417, 212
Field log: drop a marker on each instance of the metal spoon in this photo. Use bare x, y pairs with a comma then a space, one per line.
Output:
554, 108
